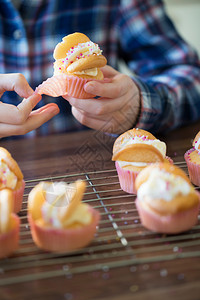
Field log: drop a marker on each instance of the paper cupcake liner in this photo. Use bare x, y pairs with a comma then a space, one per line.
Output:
193, 169
18, 197
126, 179
54, 86
62, 84
9, 241
76, 87
170, 224
64, 240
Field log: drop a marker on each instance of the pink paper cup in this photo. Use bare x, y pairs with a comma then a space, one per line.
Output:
126, 179
9, 241
193, 168
18, 197
64, 240
169, 224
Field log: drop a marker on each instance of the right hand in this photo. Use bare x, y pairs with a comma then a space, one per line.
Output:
18, 120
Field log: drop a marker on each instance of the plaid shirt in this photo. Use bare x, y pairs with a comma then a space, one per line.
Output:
166, 68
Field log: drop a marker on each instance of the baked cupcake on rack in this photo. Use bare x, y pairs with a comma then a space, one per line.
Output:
9, 224
166, 200
59, 221
11, 177
192, 158
77, 60
132, 152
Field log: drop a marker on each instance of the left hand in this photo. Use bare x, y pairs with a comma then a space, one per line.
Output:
117, 108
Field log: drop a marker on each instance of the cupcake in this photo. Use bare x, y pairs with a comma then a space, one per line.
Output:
192, 158
59, 221
132, 152
77, 60
11, 177
9, 224
166, 200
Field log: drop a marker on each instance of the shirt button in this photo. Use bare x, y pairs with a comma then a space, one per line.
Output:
17, 34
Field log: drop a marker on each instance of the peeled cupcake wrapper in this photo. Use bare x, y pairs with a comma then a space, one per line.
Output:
9, 241
193, 169
64, 239
62, 84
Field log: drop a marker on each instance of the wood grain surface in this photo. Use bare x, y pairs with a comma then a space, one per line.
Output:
125, 261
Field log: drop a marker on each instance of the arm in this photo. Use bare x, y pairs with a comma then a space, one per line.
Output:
163, 94
18, 120
168, 70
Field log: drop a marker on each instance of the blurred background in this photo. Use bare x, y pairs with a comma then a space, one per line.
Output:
186, 17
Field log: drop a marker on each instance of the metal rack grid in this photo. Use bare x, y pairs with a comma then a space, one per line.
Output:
120, 241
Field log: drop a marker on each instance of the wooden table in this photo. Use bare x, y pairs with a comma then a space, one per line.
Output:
125, 261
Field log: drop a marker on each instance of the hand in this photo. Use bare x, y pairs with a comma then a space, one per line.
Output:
18, 120
117, 108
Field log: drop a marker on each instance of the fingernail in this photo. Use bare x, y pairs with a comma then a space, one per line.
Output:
53, 110
30, 91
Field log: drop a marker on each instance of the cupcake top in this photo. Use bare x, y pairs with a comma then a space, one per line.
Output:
77, 55
58, 204
165, 189
196, 143
10, 172
6, 209
138, 146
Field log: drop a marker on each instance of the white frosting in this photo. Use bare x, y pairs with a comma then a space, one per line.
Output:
80, 51
160, 146
163, 185
58, 198
196, 145
89, 72
130, 163
7, 178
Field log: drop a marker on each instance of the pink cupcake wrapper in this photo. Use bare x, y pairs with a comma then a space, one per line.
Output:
64, 240
62, 84
18, 197
193, 169
9, 241
170, 224
126, 179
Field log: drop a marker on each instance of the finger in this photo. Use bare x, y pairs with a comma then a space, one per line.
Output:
34, 121
96, 107
88, 121
15, 82
39, 110
115, 89
111, 124
17, 115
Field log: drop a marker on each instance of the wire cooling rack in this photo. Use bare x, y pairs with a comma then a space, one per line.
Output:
120, 241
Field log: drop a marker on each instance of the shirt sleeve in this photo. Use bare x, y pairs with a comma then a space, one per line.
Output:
166, 68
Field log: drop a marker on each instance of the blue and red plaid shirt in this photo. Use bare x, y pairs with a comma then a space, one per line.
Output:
166, 68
